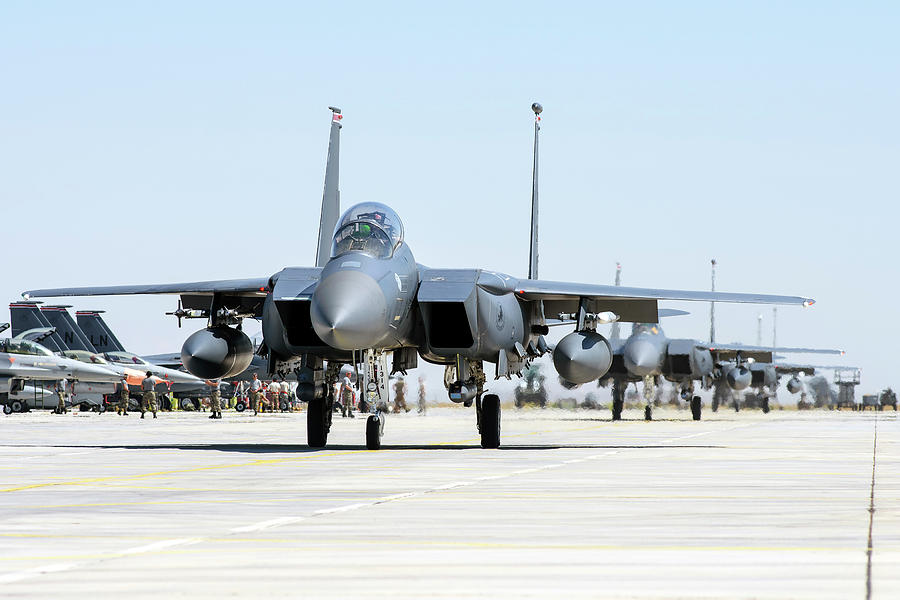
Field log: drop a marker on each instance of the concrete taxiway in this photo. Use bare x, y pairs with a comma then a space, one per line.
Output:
573, 506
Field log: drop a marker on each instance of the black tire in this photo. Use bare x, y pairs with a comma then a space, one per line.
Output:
284, 406
737, 406
102, 408
187, 404
17, 406
648, 413
715, 404
373, 432
490, 421
696, 407
7, 409
765, 406
240, 406
617, 407
316, 423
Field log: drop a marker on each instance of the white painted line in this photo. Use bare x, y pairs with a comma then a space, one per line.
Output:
450, 486
328, 511
396, 497
267, 524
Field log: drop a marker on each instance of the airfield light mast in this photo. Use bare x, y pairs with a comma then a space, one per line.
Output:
614, 330
533, 247
712, 308
774, 323
759, 330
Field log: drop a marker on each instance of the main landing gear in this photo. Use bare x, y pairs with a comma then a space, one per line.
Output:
374, 430
487, 410
618, 402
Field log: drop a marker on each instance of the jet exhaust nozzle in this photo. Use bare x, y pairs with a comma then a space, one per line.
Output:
739, 378
582, 356
217, 352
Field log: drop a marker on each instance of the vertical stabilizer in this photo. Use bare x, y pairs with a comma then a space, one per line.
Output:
331, 196
27, 315
68, 330
533, 247
712, 308
98, 333
614, 330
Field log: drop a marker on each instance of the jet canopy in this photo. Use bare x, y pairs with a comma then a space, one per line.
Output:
125, 358
19, 346
85, 357
371, 228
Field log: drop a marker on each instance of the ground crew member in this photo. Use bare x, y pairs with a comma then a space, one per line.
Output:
215, 398
400, 395
346, 393
61, 394
284, 397
255, 386
148, 399
122, 406
421, 395
275, 394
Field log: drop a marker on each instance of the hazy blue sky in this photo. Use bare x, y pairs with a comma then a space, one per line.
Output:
172, 141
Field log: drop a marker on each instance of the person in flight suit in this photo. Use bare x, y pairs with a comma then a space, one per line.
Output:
122, 406
347, 393
148, 399
255, 386
61, 394
215, 398
400, 395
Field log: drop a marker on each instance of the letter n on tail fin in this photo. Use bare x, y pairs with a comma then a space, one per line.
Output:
98, 332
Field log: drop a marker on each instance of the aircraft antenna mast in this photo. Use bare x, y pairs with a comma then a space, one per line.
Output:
712, 308
331, 196
533, 248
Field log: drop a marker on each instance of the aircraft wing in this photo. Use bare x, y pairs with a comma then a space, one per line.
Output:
726, 352
231, 287
631, 304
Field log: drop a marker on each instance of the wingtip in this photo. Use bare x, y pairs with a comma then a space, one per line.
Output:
808, 302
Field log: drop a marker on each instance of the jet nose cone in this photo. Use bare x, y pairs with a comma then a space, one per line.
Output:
95, 373
348, 311
641, 358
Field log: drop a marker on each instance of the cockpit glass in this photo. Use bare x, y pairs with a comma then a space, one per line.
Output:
14, 346
371, 228
125, 358
651, 328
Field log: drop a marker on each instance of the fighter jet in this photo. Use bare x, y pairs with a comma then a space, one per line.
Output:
23, 360
76, 343
368, 295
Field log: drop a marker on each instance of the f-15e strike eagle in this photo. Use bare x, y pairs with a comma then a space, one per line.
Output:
367, 293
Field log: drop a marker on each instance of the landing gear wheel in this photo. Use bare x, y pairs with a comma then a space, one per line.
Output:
617, 407
187, 404
648, 413
373, 432
737, 406
765, 406
490, 421
16, 406
317, 423
715, 404
7, 409
240, 406
696, 407
102, 408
